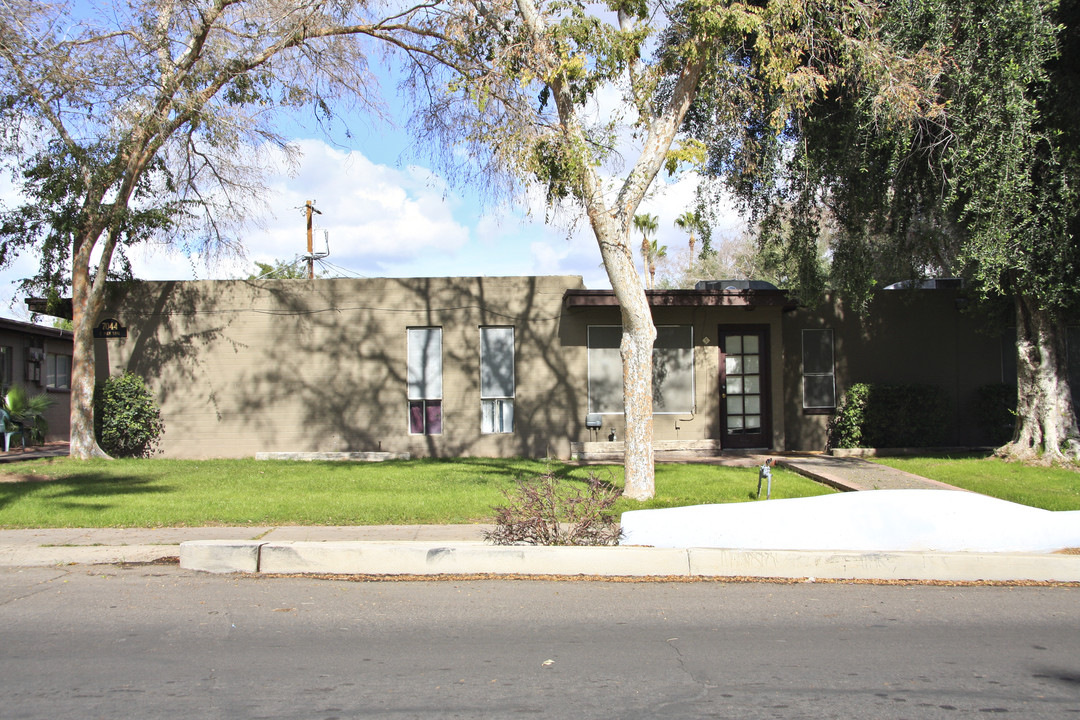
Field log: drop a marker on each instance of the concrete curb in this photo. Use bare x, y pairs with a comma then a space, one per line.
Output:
427, 558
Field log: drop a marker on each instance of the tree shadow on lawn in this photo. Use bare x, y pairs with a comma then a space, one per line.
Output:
66, 490
488, 470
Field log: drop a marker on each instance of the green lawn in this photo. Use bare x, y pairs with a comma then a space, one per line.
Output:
164, 493
1043, 487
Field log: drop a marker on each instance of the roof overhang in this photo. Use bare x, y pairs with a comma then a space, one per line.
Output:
683, 298
60, 308
34, 329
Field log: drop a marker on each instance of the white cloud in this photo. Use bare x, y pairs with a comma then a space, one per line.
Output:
388, 221
377, 217
374, 214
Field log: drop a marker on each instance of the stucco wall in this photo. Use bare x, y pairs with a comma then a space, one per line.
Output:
241, 367
923, 336
704, 422
16, 336
291, 365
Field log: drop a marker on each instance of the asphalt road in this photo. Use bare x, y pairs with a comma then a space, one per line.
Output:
154, 642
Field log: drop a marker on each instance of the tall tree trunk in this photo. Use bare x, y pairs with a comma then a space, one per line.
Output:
1046, 429
84, 314
636, 348
612, 230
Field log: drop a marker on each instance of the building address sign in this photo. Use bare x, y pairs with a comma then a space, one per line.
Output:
110, 328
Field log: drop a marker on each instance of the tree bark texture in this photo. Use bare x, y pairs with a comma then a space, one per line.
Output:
1046, 429
84, 313
636, 350
636, 347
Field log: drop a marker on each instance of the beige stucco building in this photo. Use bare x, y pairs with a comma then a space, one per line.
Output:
516, 366
39, 359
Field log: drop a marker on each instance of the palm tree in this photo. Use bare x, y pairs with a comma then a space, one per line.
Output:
647, 224
655, 253
28, 412
689, 222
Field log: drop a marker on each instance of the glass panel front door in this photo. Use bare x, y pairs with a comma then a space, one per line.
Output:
744, 384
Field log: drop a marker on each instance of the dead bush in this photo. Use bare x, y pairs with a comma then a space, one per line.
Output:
548, 510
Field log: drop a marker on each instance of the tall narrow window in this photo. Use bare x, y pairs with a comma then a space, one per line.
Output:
819, 386
497, 379
58, 371
425, 381
7, 357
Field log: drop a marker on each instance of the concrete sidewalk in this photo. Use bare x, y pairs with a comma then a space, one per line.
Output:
459, 549
851, 474
63, 546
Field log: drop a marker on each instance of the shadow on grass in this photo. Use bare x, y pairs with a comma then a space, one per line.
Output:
488, 470
64, 491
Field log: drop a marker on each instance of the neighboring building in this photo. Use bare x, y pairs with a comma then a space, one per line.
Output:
518, 365
39, 359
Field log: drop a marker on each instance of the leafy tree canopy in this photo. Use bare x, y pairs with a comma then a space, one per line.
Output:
149, 118
981, 185
981, 182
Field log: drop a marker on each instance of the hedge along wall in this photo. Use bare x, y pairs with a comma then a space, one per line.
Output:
878, 416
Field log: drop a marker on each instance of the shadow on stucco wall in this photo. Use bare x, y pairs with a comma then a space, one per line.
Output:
334, 376
170, 325
931, 337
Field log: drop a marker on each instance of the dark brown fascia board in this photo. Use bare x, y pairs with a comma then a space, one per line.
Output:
681, 298
40, 307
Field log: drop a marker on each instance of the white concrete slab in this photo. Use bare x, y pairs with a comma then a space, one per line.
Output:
879, 521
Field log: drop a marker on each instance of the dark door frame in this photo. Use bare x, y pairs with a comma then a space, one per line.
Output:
764, 439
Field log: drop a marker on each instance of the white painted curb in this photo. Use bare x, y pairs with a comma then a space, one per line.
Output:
221, 556
382, 558
428, 558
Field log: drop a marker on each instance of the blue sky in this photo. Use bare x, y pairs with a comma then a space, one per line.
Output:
386, 214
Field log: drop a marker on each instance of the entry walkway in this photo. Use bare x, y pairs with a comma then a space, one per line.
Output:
843, 473
848, 474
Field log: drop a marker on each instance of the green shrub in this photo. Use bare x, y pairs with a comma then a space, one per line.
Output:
878, 416
127, 419
995, 412
846, 426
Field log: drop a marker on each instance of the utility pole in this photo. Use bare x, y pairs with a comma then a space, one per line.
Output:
310, 208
